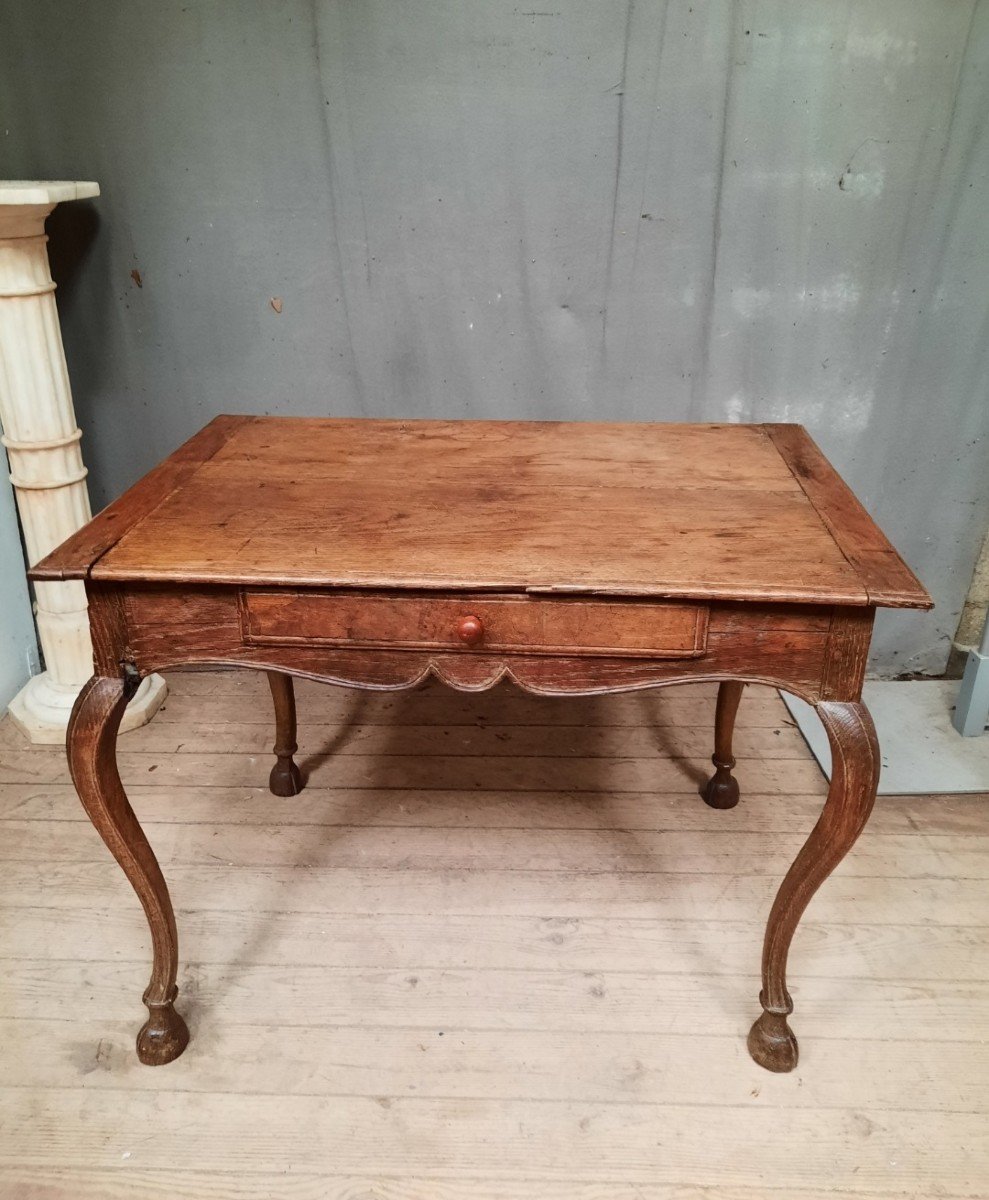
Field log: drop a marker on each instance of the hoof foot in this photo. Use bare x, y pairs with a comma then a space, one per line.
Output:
772, 1044
164, 1035
285, 779
721, 790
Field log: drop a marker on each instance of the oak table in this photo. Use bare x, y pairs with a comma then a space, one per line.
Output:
574, 559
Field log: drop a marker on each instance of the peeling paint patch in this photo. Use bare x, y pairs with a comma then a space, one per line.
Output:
879, 47
862, 183
843, 412
838, 296
736, 410
855, 413
816, 177
750, 302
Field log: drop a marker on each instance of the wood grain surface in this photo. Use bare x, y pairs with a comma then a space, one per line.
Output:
689, 511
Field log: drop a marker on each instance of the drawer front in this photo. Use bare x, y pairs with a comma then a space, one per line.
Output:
513, 624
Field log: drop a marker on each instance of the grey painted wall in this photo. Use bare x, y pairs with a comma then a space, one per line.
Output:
571, 208
18, 642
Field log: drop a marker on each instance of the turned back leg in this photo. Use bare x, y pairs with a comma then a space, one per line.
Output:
285, 778
721, 790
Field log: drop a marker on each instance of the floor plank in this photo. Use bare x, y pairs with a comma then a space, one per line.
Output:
658, 895
127, 1182
446, 941
299, 997
490, 809
857, 1149
676, 852
602, 1067
444, 771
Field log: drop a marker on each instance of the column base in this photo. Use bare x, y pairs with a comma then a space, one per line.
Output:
41, 709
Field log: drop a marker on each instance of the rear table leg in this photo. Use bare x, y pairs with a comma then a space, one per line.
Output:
285, 778
721, 790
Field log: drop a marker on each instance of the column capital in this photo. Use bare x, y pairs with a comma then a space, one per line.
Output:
45, 191
26, 203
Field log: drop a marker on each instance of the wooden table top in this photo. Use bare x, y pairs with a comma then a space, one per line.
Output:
730, 512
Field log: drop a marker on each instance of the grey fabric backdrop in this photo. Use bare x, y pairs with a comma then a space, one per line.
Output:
590, 209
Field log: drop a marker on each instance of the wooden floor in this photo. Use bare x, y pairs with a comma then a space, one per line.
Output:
498, 949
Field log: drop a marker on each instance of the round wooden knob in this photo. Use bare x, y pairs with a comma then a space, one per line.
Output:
470, 630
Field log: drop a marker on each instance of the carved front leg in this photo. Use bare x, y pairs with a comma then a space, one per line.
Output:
285, 778
854, 779
91, 744
721, 790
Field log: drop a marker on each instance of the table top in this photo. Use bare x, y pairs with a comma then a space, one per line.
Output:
730, 512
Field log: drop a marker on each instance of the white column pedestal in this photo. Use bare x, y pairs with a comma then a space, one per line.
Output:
41, 709
46, 467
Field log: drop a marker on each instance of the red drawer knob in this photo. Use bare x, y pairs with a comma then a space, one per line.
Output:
470, 630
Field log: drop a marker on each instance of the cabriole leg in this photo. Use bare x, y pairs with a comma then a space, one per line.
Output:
285, 778
91, 744
854, 779
721, 790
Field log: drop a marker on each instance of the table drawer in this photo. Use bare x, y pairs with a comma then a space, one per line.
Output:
514, 624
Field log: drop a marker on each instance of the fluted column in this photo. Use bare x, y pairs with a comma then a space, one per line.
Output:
46, 468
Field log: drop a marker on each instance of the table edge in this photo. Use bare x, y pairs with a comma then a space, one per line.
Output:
886, 578
76, 557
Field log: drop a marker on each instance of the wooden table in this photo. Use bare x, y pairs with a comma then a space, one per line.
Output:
570, 558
